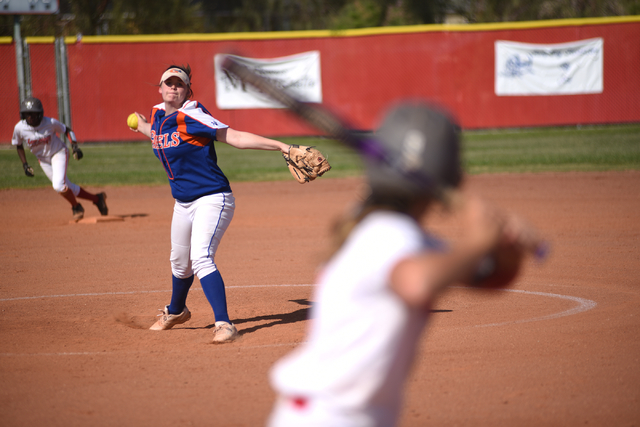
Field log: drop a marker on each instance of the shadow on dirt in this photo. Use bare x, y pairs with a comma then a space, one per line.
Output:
135, 215
285, 318
133, 322
276, 319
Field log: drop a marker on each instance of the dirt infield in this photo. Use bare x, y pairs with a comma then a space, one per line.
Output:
561, 348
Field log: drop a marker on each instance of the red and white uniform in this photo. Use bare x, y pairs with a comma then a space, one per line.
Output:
362, 338
51, 151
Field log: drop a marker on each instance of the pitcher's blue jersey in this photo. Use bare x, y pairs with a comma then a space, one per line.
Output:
184, 143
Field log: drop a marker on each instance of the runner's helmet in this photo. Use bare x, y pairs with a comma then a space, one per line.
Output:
34, 106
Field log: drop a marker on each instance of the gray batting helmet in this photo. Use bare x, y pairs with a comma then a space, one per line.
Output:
423, 153
31, 105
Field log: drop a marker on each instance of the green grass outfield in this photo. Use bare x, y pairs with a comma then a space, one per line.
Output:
589, 148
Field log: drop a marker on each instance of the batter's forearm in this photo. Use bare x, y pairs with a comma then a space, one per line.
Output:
418, 279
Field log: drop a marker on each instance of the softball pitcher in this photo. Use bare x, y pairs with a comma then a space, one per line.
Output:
373, 296
40, 133
182, 134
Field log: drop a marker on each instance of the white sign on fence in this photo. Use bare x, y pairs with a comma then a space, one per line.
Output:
299, 74
548, 69
29, 7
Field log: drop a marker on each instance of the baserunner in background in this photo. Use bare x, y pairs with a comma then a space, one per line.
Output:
40, 133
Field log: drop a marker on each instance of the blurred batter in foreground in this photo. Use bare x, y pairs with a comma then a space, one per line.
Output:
374, 295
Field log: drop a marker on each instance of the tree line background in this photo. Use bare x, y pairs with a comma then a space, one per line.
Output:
126, 17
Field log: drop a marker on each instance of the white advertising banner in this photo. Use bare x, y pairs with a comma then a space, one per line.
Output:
548, 69
299, 74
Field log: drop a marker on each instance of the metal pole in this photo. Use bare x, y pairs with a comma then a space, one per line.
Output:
28, 85
17, 40
65, 83
60, 91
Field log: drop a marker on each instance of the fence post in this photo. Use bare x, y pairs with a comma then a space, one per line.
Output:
62, 76
26, 54
17, 40
65, 83
58, 80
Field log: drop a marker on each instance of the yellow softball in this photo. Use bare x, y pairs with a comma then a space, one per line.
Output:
132, 121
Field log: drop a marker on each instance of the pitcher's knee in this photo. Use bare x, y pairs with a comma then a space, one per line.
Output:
181, 272
203, 267
180, 262
181, 268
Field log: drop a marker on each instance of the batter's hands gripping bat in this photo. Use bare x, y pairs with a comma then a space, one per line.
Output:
330, 124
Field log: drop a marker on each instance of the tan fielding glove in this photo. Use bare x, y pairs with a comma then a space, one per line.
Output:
306, 163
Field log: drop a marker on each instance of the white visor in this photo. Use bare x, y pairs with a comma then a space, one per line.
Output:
175, 72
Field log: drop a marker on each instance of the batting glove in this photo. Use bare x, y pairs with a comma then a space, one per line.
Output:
77, 153
28, 170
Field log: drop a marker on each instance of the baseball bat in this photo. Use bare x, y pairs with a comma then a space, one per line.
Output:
330, 124
315, 115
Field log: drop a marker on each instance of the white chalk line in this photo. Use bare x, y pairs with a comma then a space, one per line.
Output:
101, 294
583, 305
111, 353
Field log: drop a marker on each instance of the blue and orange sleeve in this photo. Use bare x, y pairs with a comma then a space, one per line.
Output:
193, 132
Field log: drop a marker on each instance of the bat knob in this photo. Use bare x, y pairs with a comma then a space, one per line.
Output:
542, 251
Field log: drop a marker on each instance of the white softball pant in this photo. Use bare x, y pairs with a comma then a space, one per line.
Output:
196, 230
55, 168
289, 412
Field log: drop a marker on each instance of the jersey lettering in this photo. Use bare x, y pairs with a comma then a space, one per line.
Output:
159, 142
175, 139
36, 142
188, 133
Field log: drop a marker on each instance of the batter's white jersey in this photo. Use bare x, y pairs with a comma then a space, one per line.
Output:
362, 338
43, 140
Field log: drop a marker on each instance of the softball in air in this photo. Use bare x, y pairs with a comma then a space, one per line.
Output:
132, 121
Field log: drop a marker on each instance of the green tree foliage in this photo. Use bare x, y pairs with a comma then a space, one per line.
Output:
101, 17
359, 14
270, 15
89, 16
97, 17
531, 10
155, 17
31, 25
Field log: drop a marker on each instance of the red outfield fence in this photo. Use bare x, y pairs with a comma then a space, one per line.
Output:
363, 71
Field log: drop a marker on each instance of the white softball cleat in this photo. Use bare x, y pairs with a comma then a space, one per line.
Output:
224, 332
168, 321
